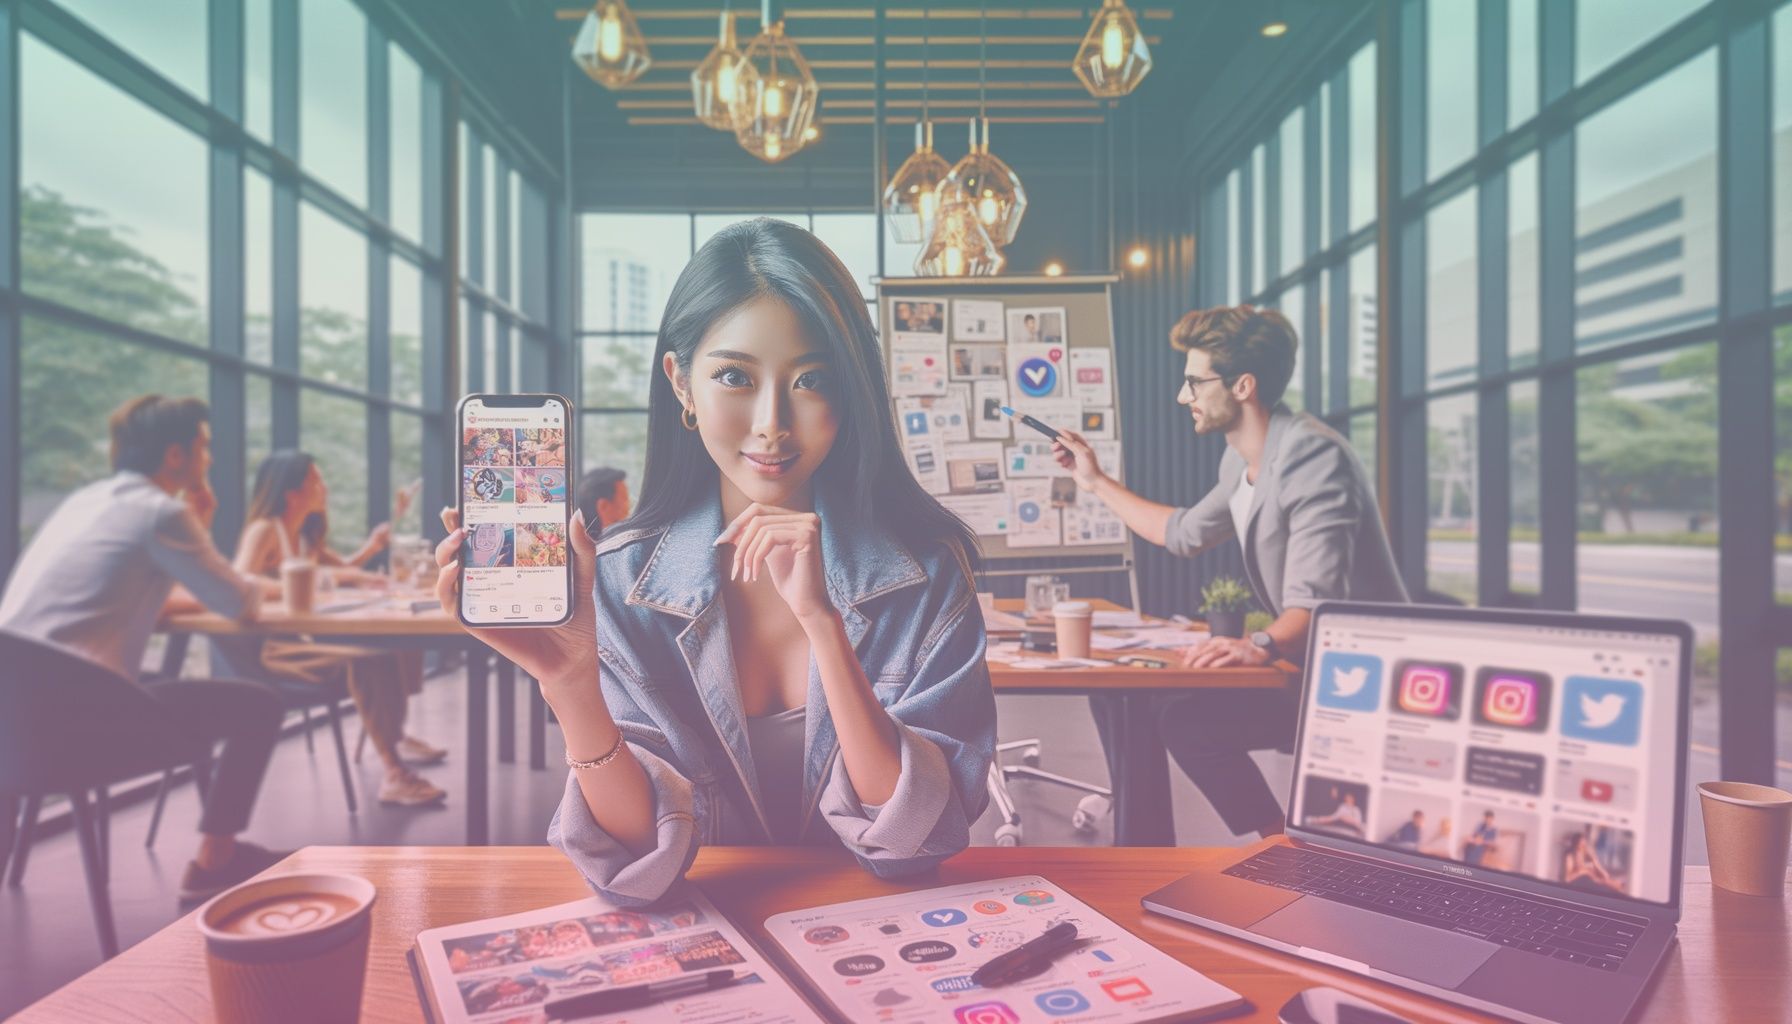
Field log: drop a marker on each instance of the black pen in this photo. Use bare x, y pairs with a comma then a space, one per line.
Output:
613, 1000
1025, 960
1031, 422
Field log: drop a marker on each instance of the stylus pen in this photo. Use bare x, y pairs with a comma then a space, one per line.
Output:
1027, 959
1031, 422
611, 1000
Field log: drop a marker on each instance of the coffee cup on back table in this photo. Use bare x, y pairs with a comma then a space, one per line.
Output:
298, 585
1747, 832
288, 948
1074, 619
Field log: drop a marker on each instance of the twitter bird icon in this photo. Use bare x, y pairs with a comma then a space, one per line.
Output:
1349, 682
1602, 710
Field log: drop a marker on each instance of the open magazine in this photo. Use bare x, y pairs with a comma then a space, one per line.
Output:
506, 970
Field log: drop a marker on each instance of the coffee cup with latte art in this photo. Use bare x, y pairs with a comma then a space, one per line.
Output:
288, 948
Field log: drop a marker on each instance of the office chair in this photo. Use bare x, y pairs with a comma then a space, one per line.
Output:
1095, 804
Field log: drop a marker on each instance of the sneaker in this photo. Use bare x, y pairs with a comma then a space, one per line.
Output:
201, 884
410, 790
417, 751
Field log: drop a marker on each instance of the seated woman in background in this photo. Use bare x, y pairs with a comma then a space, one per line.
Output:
287, 520
783, 644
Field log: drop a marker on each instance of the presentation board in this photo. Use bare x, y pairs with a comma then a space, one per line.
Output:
958, 349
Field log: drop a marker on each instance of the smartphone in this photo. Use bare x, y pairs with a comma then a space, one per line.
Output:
512, 464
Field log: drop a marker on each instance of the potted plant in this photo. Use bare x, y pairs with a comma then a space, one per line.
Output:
1223, 605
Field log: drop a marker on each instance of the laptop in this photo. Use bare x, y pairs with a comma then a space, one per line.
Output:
1487, 808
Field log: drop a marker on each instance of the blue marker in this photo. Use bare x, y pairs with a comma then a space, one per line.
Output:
1031, 422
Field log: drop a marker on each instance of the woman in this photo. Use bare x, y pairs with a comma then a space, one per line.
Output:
783, 644
1581, 867
287, 520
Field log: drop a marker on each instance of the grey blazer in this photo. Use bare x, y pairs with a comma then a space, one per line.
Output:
1313, 533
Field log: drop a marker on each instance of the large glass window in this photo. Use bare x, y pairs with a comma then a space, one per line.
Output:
1452, 499
1605, 31
112, 222
407, 474
1259, 225
1362, 319
618, 440
1292, 305
406, 172
406, 338
1521, 61
630, 262
1645, 227
1362, 137
1450, 84
1782, 460
71, 381
168, 35
333, 95
1782, 154
332, 300
1646, 438
334, 430
1524, 558
853, 237
1523, 276
258, 67
1293, 211
1452, 306
258, 267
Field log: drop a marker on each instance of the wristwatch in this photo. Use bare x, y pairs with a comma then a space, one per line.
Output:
1267, 644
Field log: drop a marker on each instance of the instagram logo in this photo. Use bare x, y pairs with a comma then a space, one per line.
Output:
986, 1013
1428, 689
1512, 699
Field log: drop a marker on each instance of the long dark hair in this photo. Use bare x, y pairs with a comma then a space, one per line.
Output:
864, 470
279, 474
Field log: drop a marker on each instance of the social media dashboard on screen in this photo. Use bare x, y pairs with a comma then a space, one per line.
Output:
1546, 752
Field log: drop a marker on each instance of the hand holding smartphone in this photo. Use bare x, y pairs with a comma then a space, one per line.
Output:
516, 557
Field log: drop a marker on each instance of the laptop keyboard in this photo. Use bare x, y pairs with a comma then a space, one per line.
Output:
1578, 936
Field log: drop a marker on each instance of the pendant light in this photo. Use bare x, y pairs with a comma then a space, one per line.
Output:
610, 47
715, 85
911, 199
1113, 59
991, 186
777, 93
959, 246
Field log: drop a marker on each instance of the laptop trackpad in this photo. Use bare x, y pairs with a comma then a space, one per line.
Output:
1429, 955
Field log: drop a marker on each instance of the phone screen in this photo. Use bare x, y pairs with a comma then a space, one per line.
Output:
514, 490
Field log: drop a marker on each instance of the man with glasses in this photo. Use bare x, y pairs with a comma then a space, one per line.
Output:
1298, 500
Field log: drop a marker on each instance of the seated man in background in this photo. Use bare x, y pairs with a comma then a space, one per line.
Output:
603, 497
1298, 500
100, 572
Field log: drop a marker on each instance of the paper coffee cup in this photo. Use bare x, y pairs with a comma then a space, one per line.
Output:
288, 948
298, 585
1074, 620
1747, 830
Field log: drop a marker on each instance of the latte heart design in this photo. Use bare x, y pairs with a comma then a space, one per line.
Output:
290, 917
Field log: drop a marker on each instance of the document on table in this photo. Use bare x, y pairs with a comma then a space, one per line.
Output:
507, 969
908, 959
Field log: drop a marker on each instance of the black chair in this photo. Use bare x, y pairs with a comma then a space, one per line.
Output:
71, 727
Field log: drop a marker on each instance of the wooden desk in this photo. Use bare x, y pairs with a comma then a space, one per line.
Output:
1123, 700
392, 627
1730, 964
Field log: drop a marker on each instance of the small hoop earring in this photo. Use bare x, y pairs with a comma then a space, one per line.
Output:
689, 416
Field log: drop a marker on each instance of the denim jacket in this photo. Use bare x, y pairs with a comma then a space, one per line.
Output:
668, 678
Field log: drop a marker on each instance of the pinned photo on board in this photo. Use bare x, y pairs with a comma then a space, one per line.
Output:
1036, 325
918, 317
1063, 491
977, 320
977, 362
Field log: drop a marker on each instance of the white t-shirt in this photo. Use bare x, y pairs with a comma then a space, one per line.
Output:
1241, 504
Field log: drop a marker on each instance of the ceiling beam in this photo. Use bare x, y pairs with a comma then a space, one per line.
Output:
647, 119
1078, 13
856, 104
808, 41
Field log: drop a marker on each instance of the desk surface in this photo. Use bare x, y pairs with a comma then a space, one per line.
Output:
1730, 964
381, 619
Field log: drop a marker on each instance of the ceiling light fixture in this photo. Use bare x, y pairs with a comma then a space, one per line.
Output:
1113, 58
1275, 25
1138, 257
715, 85
610, 47
777, 93
986, 181
1054, 269
958, 246
911, 199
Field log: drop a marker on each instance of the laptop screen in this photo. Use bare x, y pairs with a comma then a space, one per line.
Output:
1532, 749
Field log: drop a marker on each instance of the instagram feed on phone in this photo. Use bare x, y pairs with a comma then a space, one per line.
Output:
515, 563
